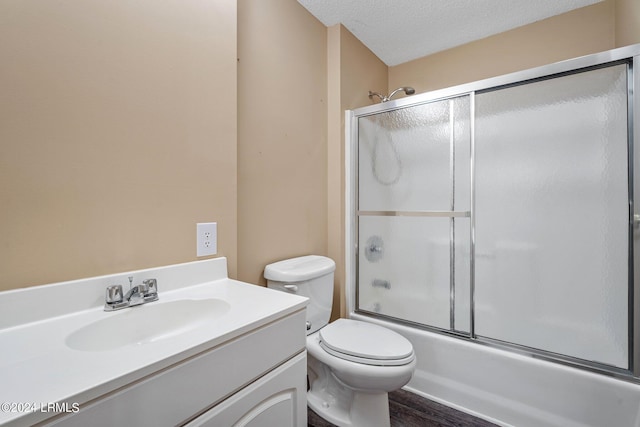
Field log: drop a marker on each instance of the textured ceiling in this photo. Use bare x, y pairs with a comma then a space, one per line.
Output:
398, 31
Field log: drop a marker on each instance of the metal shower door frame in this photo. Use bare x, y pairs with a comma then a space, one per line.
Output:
629, 55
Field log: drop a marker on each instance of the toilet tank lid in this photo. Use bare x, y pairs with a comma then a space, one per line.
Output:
299, 269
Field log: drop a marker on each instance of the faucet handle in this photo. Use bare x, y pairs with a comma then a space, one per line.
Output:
143, 289
151, 287
113, 294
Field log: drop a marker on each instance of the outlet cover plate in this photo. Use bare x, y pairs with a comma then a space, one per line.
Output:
206, 238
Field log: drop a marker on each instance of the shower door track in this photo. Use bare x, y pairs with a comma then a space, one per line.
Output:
440, 214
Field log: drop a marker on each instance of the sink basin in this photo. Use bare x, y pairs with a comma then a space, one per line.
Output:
146, 323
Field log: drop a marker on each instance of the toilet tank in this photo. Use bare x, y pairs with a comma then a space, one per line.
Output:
310, 276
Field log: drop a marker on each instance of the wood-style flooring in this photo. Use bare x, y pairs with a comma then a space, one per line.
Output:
410, 410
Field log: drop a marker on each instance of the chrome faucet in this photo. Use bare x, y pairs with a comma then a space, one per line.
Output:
143, 293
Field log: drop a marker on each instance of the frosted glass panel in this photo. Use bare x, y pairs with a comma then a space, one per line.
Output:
412, 160
552, 215
461, 129
462, 273
404, 269
405, 157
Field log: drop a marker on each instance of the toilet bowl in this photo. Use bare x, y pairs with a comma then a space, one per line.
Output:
351, 364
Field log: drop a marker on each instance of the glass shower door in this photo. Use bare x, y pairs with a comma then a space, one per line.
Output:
413, 213
552, 215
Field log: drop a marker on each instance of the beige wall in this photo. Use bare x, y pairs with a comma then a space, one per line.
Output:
627, 13
118, 134
361, 72
282, 135
353, 70
580, 32
118, 126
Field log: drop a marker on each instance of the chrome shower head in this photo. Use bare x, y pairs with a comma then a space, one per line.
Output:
406, 89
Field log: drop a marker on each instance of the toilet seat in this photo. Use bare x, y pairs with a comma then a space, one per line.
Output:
365, 343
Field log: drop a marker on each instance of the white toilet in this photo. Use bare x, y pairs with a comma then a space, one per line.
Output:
352, 365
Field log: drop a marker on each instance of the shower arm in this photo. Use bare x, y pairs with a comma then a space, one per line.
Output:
394, 92
382, 98
406, 89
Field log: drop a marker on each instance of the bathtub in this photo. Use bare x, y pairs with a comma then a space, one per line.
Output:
510, 389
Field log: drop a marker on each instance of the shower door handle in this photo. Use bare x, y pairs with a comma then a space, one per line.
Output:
636, 221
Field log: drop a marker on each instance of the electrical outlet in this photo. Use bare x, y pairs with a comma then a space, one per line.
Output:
206, 238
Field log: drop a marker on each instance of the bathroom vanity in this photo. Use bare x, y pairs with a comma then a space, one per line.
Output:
210, 352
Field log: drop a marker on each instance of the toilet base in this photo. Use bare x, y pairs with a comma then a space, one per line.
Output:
341, 405
367, 410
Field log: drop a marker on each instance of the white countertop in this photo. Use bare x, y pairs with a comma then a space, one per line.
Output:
37, 367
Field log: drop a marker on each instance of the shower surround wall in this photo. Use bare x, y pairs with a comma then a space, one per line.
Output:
500, 213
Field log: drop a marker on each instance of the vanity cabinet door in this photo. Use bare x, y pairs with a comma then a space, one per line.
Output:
277, 399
